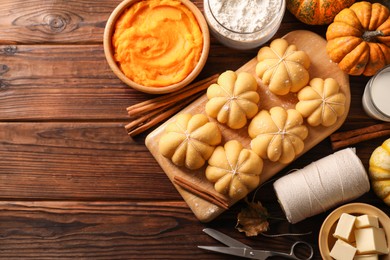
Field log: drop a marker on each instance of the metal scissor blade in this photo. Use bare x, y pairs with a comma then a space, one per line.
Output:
239, 251
221, 237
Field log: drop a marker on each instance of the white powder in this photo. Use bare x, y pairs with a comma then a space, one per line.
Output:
244, 16
244, 24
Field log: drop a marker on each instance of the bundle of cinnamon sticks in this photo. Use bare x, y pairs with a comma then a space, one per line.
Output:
348, 138
212, 197
149, 113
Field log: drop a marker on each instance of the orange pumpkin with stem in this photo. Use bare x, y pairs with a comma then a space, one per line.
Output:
359, 38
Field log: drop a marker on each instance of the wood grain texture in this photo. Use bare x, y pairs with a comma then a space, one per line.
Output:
60, 82
73, 185
94, 230
115, 230
314, 46
54, 21
77, 161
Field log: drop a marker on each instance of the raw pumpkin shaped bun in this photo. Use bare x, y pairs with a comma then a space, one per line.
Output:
278, 134
234, 170
379, 171
233, 99
321, 102
282, 67
190, 140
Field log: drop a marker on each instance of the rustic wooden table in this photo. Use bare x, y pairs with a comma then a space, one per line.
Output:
73, 184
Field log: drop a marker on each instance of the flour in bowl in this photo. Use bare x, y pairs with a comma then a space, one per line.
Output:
244, 24
244, 16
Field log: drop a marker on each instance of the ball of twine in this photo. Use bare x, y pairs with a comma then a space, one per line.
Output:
323, 184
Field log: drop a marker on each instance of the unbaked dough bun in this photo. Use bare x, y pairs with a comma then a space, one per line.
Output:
283, 67
278, 134
233, 99
321, 102
190, 140
234, 170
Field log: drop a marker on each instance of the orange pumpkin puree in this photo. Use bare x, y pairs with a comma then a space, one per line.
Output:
157, 42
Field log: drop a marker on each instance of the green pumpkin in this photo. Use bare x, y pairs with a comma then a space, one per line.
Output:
316, 12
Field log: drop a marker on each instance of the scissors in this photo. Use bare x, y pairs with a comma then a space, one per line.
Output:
240, 249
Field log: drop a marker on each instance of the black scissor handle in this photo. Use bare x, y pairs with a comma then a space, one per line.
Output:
293, 250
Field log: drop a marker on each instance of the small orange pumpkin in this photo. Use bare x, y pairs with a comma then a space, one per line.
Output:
316, 12
359, 38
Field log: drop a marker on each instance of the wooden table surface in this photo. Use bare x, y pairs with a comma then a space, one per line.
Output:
73, 184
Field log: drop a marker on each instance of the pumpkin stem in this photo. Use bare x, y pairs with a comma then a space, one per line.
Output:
369, 36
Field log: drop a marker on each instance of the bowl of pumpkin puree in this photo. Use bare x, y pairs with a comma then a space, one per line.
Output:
156, 46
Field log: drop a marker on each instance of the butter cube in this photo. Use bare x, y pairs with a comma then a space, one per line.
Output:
366, 221
345, 227
342, 251
371, 240
366, 257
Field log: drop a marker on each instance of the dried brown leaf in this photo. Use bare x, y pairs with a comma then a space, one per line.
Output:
252, 219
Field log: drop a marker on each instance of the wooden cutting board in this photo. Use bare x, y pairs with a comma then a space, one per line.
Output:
321, 66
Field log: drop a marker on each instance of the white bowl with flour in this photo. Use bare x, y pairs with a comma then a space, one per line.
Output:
243, 24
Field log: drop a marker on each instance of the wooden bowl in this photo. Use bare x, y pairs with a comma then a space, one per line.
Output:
109, 52
326, 239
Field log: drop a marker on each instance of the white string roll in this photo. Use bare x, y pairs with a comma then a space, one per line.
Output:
323, 184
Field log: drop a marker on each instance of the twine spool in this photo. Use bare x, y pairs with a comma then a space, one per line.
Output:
321, 185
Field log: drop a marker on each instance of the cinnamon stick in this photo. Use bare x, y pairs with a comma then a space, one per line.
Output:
151, 112
149, 120
143, 119
172, 97
347, 138
201, 192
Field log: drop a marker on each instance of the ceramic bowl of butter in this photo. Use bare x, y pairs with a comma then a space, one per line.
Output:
156, 46
355, 231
